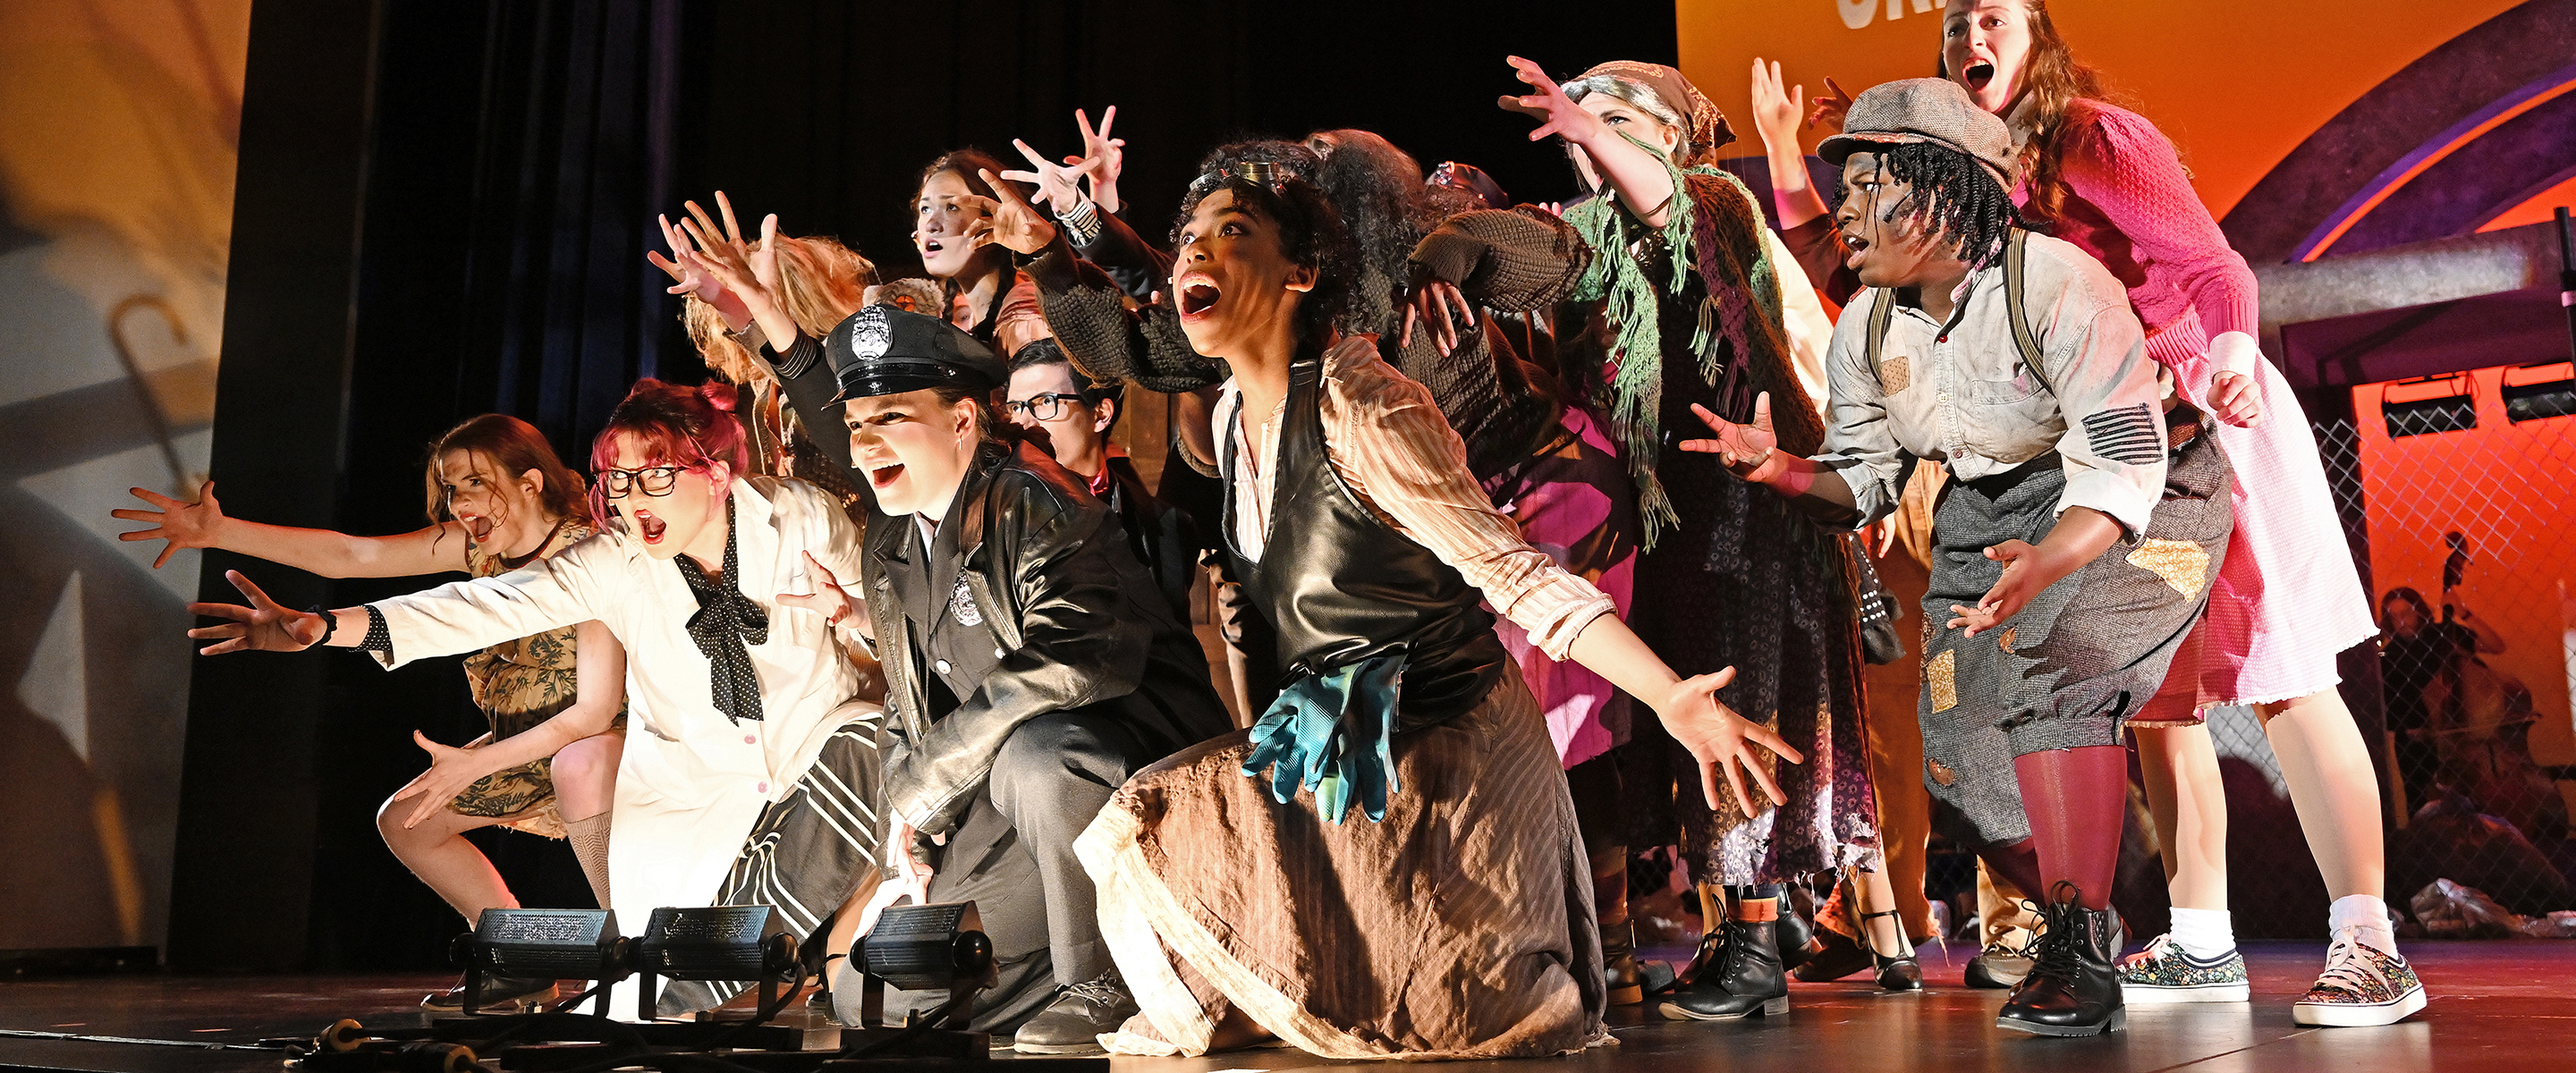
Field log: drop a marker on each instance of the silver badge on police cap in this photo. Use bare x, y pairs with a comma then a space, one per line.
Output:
870, 335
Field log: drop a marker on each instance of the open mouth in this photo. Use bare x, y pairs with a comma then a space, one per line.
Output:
930, 246
1852, 247
883, 477
650, 527
480, 528
1198, 297
1978, 74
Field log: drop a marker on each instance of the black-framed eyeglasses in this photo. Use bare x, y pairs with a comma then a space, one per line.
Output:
1046, 407
651, 480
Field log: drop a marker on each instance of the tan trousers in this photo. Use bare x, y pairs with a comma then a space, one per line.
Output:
2001, 914
1893, 690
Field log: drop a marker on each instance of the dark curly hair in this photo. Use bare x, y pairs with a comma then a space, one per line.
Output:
1951, 195
1311, 233
1387, 207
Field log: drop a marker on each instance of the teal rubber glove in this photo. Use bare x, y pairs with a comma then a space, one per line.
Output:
1333, 734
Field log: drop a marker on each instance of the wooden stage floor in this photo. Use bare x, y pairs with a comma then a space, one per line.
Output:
2502, 1006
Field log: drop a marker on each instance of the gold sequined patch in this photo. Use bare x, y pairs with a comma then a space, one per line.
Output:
2181, 563
2006, 640
1941, 772
1893, 374
1942, 671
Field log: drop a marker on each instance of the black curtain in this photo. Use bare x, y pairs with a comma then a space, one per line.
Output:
826, 112
507, 160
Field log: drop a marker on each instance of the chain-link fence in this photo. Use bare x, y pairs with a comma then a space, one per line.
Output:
2461, 496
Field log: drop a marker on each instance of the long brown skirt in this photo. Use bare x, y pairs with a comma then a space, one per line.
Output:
1461, 926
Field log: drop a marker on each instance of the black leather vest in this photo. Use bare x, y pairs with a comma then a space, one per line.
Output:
1340, 586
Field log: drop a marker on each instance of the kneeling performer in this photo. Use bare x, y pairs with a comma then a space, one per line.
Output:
1031, 665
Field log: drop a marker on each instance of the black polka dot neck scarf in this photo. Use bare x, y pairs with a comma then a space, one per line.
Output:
725, 622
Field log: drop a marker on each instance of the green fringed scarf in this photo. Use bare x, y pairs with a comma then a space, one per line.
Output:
1637, 347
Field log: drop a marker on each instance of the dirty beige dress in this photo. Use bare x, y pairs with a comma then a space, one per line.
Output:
1461, 925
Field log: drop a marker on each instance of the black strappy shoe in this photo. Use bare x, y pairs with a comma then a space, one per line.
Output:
1894, 973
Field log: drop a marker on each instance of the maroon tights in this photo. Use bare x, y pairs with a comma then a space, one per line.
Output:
2075, 799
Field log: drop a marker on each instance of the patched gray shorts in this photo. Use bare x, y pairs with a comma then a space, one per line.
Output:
2080, 659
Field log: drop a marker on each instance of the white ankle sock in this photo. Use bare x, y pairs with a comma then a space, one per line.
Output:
2204, 933
2365, 914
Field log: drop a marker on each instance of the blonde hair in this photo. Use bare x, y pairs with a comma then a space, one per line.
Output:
821, 281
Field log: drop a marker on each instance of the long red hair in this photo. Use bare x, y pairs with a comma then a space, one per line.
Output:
2053, 81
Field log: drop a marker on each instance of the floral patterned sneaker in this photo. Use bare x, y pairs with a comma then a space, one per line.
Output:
2362, 985
2165, 972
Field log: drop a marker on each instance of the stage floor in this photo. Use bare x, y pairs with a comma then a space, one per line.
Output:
2496, 1006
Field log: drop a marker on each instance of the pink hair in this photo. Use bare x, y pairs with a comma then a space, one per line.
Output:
675, 425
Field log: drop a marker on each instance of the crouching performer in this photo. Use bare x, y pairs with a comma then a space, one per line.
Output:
2075, 544
748, 759
1031, 663
1387, 866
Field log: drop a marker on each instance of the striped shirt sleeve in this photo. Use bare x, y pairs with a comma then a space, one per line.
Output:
1387, 441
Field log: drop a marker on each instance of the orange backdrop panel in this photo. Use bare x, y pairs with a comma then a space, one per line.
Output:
2237, 85
2511, 490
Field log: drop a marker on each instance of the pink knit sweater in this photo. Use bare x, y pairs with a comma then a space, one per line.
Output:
2286, 599
2130, 203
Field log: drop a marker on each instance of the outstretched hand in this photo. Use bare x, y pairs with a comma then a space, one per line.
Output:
1441, 307
1557, 113
1744, 449
685, 277
1830, 108
264, 625
1776, 112
1724, 742
451, 771
1058, 184
1110, 152
183, 524
1008, 218
749, 273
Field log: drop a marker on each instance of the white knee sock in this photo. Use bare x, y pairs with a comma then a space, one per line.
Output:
2204, 933
2365, 914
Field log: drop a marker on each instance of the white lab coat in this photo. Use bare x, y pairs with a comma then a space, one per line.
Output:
692, 781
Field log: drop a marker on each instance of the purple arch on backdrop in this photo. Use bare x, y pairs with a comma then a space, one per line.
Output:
2418, 109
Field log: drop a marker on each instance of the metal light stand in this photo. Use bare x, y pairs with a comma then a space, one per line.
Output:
917, 948
544, 944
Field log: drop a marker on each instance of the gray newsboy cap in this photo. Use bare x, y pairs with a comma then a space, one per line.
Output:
1933, 110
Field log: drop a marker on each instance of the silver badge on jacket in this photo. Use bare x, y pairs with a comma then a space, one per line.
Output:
961, 603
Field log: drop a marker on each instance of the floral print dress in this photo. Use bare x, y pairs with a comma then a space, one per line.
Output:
519, 684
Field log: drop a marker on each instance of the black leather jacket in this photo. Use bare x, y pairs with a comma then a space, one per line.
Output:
1082, 624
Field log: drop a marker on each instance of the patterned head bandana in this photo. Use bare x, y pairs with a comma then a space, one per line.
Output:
1663, 93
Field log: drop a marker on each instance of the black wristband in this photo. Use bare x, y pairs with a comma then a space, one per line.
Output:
330, 625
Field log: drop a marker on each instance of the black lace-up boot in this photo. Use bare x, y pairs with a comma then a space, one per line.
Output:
2073, 988
1741, 977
